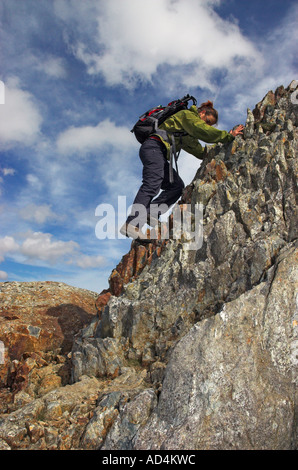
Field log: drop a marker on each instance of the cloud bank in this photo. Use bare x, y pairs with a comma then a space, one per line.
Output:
42, 247
84, 139
133, 41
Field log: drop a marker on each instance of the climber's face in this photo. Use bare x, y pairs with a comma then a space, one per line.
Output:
210, 120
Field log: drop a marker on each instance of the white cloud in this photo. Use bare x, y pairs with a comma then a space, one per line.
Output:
244, 88
7, 245
50, 65
53, 67
2, 92
81, 140
19, 116
35, 182
114, 153
280, 51
86, 262
37, 213
36, 247
85, 279
133, 41
5, 172
3, 275
8, 171
40, 246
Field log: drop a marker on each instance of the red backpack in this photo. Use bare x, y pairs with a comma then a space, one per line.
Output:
150, 120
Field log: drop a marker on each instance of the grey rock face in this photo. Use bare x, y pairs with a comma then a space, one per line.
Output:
249, 191
231, 382
219, 319
200, 351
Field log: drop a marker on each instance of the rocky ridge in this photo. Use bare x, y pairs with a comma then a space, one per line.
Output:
193, 349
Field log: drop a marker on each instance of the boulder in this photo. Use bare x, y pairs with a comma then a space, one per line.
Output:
38, 323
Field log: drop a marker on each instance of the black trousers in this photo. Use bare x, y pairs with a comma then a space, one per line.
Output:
155, 177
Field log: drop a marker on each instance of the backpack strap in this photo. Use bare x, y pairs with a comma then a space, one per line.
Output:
170, 138
174, 155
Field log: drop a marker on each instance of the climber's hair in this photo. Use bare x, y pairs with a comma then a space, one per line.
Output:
210, 111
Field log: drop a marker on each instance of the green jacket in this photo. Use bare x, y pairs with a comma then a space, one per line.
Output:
188, 120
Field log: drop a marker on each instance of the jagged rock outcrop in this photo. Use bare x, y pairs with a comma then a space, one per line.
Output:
248, 190
195, 348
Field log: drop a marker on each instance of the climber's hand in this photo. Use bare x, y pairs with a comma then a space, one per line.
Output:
237, 131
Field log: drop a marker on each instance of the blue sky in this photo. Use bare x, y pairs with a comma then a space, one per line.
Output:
77, 75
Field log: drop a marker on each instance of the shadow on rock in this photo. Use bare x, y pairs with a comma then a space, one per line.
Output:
71, 320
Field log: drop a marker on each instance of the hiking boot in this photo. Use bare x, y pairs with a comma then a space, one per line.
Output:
130, 231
